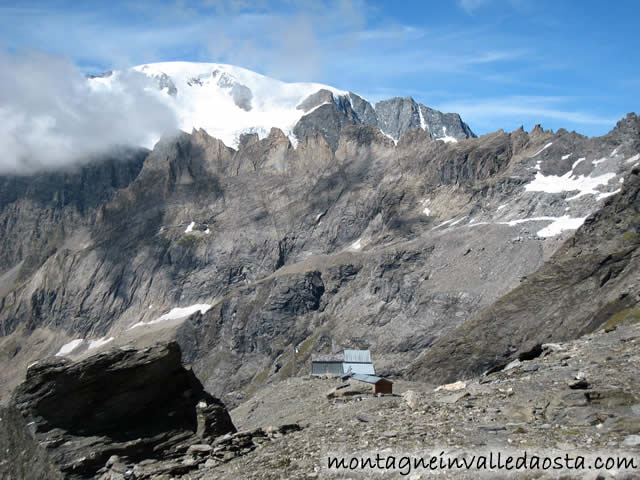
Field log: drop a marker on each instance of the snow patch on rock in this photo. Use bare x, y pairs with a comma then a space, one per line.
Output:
99, 342
70, 347
542, 149
559, 225
176, 314
585, 185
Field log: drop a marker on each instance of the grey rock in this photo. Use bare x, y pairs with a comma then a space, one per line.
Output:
514, 364
631, 441
164, 81
327, 120
394, 117
397, 115
240, 93
242, 96
364, 418
453, 397
492, 428
312, 101
580, 384
363, 109
199, 449
139, 405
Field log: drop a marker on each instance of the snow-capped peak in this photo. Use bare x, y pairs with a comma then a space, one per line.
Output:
226, 100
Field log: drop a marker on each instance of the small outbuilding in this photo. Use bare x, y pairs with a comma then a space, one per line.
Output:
378, 384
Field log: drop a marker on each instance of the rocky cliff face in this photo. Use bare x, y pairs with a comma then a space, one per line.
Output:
329, 113
241, 255
37, 211
73, 420
397, 115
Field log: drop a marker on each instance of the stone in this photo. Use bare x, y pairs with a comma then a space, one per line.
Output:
453, 397
411, 398
492, 428
365, 418
289, 428
452, 387
623, 424
133, 404
517, 413
514, 364
611, 397
580, 384
199, 450
631, 441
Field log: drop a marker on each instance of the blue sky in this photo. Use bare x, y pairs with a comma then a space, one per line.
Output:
499, 63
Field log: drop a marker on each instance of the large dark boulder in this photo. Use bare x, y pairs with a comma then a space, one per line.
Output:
68, 418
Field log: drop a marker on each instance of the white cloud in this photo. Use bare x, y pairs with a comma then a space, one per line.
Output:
470, 5
51, 117
289, 41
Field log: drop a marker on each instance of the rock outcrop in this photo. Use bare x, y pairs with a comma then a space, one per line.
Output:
76, 419
328, 114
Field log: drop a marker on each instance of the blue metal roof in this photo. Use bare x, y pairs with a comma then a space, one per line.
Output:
368, 378
357, 356
359, 368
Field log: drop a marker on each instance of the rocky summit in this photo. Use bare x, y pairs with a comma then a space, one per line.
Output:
387, 227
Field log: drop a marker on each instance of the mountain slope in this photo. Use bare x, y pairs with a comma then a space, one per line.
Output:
592, 278
243, 254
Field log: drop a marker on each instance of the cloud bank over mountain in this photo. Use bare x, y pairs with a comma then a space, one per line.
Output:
52, 117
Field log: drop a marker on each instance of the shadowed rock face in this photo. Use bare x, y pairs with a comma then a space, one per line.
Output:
139, 404
328, 119
329, 114
49, 203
